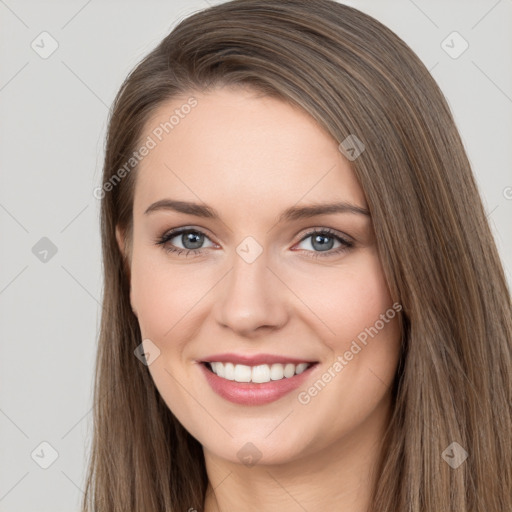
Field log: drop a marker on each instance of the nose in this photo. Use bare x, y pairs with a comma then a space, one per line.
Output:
251, 299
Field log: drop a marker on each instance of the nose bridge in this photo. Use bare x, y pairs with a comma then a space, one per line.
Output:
250, 297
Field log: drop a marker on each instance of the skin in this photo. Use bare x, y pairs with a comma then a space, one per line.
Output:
250, 157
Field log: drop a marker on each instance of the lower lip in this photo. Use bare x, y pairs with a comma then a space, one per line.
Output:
251, 393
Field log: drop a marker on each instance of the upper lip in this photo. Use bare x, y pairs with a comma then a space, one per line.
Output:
253, 360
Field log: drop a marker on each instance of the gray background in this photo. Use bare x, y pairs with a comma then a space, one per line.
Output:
53, 115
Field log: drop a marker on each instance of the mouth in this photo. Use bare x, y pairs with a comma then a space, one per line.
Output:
255, 385
257, 374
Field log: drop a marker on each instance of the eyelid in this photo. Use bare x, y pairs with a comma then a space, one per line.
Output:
323, 229
174, 232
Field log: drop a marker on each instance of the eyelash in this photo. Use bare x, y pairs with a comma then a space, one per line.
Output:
162, 240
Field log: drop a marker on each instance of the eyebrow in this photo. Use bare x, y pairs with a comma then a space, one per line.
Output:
290, 214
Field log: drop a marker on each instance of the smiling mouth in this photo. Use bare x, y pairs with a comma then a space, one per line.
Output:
256, 374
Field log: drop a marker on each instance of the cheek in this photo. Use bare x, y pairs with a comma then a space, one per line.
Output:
363, 299
368, 346
162, 294
353, 310
348, 300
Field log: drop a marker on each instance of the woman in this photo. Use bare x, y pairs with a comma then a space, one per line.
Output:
304, 306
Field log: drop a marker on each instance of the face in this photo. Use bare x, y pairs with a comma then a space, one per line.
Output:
255, 279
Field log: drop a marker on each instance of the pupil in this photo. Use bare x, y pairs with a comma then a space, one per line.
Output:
195, 239
324, 246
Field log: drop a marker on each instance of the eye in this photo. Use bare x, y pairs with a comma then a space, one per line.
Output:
191, 240
322, 241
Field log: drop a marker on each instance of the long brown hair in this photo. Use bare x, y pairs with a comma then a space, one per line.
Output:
454, 382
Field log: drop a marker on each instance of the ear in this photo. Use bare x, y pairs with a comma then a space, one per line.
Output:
120, 238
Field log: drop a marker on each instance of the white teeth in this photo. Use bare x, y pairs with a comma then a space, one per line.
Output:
259, 374
289, 370
229, 370
277, 372
301, 367
242, 373
220, 370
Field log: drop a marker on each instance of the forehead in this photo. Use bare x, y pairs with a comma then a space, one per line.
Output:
240, 151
